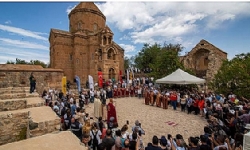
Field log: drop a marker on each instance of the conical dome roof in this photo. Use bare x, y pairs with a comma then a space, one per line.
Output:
87, 6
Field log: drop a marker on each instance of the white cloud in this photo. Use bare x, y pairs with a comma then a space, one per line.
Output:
128, 48
125, 37
7, 53
150, 22
23, 32
70, 8
22, 44
8, 22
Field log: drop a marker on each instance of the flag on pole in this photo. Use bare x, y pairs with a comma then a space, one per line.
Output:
120, 78
91, 82
127, 76
78, 83
100, 80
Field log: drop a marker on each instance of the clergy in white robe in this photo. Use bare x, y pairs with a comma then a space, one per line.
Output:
97, 108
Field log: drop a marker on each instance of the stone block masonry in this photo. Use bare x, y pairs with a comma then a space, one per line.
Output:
8, 105
12, 75
13, 126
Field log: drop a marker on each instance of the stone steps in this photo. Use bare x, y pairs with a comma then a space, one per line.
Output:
45, 119
17, 125
62, 140
16, 92
21, 103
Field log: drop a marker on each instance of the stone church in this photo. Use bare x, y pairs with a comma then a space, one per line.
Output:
204, 59
87, 47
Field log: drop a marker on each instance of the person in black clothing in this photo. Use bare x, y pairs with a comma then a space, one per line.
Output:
163, 143
193, 143
154, 145
204, 145
108, 142
76, 127
60, 95
32, 83
132, 143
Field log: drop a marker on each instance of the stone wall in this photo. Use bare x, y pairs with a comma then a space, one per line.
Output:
18, 76
12, 105
204, 59
13, 126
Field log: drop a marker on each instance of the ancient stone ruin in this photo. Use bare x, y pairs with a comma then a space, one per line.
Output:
204, 59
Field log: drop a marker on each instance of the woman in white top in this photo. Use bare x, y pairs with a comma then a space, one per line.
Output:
95, 132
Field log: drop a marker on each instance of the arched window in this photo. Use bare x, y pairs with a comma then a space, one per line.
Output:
104, 40
109, 40
79, 26
111, 54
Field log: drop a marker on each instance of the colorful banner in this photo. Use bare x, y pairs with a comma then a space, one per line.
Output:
127, 76
91, 82
120, 77
64, 89
78, 83
100, 79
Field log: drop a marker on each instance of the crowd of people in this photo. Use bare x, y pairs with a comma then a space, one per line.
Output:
227, 116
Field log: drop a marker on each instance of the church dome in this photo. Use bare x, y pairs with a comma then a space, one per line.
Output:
86, 16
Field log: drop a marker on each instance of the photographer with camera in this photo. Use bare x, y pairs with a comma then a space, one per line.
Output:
178, 143
138, 125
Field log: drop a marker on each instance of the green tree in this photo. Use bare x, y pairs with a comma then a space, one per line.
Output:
167, 61
10, 62
127, 63
234, 76
163, 60
20, 61
147, 56
32, 62
38, 62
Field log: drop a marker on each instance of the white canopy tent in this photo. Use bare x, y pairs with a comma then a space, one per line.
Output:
180, 77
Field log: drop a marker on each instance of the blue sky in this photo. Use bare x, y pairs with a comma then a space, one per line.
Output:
25, 26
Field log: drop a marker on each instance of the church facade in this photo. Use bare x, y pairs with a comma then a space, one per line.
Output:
87, 47
204, 59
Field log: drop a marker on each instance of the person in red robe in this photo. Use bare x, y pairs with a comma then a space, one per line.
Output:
127, 92
111, 111
123, 92
119, 92
115, 93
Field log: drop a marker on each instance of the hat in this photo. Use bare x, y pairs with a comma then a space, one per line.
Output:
137, 122
247, 126
163, 140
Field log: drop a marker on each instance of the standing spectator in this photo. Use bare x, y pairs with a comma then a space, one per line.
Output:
32, 82
173, 98
108, 141
92, 95
95, 134
154, 144
183, 103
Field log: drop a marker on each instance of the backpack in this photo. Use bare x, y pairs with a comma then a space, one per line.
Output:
95, 141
